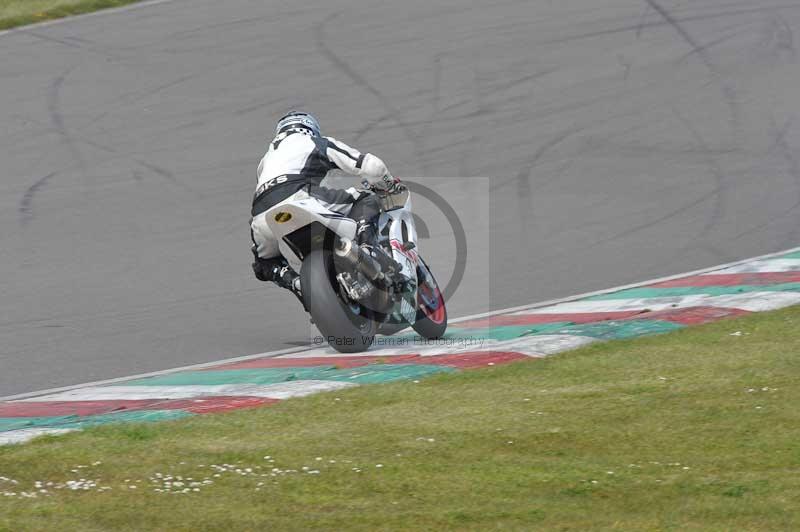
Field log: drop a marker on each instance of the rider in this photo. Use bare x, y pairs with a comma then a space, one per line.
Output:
297, 160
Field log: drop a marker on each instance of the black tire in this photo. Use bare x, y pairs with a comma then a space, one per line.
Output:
431, 322
344, 331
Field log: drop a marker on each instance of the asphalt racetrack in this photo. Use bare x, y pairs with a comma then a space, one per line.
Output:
597, 143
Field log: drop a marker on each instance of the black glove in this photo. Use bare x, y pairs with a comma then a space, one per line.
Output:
259, 272
387, 185
396, 188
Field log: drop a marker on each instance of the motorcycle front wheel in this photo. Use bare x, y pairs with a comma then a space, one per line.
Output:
431, 311
342, 325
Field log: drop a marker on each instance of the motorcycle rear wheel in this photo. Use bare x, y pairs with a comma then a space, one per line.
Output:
345, 330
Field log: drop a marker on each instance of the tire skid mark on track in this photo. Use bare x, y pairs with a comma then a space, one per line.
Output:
57, 119
25, 208
696, 48
729, 93
73, 42
780, 144
358, 79
793, 166
711, 44
714, 168
656, 24
525, 172
369, 126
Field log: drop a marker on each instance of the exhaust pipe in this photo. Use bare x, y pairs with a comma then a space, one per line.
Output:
356, 256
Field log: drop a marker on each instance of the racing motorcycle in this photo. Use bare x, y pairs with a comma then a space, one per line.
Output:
353, 293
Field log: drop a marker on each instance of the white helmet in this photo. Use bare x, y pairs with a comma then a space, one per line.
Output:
298, 120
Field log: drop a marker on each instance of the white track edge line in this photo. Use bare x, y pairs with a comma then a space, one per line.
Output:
69, 18
271, 354
638, 284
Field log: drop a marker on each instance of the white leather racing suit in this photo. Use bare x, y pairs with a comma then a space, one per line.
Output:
293, 167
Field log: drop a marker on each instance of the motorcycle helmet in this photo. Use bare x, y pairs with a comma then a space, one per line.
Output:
298, 120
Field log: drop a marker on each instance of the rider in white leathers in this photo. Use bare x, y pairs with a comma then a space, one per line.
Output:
297, 160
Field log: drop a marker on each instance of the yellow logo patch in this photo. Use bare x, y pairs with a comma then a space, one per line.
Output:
283, 217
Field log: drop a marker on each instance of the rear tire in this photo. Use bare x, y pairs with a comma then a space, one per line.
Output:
431, 310
344, 330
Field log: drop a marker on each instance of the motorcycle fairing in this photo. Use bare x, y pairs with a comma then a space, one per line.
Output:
297, 214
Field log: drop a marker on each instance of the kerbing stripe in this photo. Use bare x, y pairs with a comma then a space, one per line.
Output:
753, 302
522, 309
23, 435
533, 318
272, 391
773, 265
708, 290
547, 344
732, 279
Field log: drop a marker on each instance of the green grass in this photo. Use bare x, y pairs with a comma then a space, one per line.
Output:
21, 12
694, 430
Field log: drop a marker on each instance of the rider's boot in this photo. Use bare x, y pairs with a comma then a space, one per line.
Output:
286, 277
279, 272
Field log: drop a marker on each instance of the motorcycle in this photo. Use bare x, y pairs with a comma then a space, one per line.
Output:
353, 293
